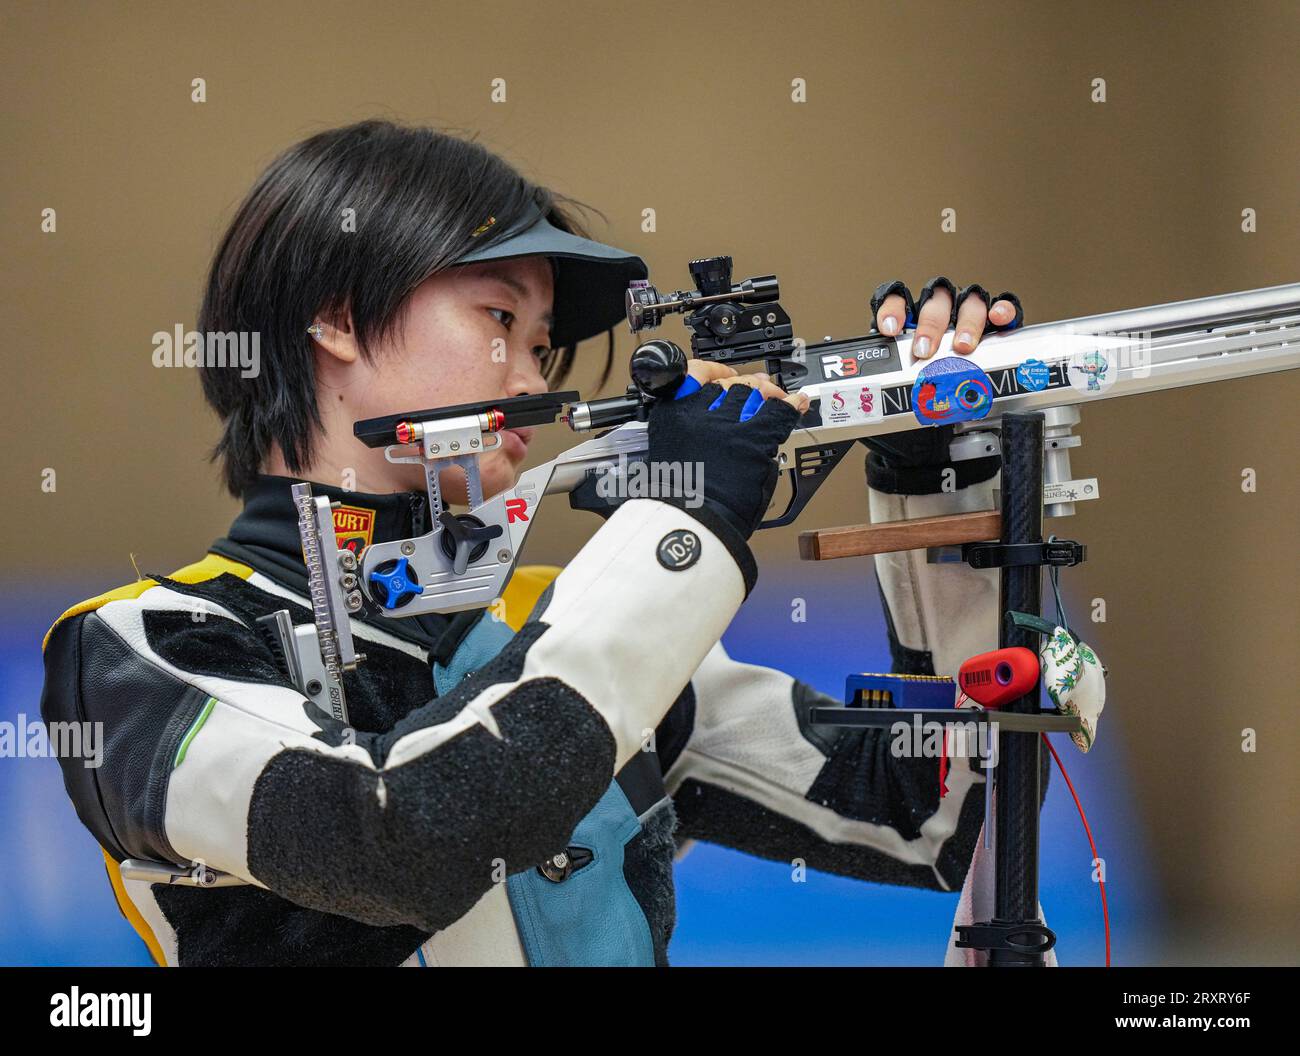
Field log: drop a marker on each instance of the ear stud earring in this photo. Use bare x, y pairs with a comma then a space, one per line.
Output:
316, 330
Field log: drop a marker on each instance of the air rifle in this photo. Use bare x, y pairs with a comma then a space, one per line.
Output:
858, 387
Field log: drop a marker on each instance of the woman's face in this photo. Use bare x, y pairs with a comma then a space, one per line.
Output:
474, 332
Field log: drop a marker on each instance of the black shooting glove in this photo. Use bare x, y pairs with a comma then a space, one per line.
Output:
678, 433
738, 458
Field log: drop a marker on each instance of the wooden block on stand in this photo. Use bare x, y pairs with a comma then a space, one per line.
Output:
825, 544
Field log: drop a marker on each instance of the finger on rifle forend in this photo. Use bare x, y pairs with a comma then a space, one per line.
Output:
1002, 312
769, 389
705, 371
895, 308
932, 323
971, 317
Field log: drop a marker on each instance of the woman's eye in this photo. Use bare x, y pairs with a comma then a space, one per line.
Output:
503, 311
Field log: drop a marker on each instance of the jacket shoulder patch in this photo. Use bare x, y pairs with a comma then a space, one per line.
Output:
211, 566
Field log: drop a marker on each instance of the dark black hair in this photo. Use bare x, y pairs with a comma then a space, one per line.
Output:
419, 195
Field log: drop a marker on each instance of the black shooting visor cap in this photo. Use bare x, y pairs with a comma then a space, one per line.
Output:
590, 278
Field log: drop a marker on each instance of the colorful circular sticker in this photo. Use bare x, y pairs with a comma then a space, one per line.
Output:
951, 389
1033, 375
1092, 371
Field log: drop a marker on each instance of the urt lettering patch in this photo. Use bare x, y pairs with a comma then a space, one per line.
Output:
354, 527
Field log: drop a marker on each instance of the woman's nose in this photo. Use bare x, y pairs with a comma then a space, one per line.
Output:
526, 377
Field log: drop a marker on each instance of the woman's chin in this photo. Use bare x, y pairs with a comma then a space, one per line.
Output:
496, 485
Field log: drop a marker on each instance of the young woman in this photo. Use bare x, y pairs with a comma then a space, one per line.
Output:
508, 792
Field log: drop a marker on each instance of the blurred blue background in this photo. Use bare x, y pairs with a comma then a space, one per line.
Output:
732, 909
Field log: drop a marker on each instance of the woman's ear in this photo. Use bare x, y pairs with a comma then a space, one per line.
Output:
333, 334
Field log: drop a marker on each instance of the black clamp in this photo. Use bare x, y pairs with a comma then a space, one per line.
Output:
1005, 555
1029, 938
465, 538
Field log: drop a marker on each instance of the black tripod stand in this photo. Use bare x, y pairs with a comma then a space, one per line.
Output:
1015, 937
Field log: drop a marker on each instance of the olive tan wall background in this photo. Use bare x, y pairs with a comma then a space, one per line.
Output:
1079, 206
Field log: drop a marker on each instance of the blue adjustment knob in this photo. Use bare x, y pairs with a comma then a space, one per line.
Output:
397, 584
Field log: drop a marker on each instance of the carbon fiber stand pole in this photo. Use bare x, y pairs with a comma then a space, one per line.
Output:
1019, 760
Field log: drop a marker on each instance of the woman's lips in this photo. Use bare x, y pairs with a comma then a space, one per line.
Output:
517, 440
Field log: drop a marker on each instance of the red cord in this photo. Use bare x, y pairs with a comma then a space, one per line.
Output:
1105, 911
943, 754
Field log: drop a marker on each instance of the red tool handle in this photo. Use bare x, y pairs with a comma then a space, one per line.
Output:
995, 678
